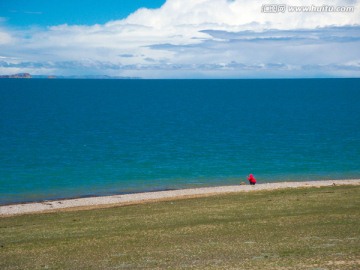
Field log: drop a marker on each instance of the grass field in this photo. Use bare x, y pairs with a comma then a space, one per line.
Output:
310, 228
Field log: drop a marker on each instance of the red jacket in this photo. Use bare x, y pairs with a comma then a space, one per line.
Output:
251, 178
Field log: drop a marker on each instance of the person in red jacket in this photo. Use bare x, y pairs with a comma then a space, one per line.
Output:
252, 179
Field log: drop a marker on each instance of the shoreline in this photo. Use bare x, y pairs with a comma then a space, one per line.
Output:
156, 196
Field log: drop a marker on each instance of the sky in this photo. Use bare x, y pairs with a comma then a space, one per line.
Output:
180, 38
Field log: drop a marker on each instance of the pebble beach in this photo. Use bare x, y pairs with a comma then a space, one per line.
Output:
146, 197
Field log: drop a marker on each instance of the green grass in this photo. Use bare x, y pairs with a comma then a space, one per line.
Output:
312, 228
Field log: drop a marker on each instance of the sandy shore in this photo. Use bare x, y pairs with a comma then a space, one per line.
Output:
128, 199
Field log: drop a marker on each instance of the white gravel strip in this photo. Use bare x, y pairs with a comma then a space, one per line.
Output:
17, 209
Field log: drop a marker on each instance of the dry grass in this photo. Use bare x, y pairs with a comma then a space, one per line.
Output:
312, 228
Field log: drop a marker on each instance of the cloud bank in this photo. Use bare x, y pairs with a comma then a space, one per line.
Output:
195, 39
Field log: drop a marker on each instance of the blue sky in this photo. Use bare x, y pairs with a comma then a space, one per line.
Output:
178, 39
24, 13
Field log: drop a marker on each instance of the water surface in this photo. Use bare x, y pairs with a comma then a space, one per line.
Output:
68, 138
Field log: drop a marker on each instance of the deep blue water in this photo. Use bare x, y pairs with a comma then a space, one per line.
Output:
68, 138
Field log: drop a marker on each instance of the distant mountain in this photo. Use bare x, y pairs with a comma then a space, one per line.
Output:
29, 76
16, 76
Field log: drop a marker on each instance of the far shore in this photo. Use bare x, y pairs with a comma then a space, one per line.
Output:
139, 198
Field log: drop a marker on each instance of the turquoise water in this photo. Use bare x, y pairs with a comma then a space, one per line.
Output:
69, 138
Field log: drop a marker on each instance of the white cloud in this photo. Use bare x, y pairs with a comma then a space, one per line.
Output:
241, 15
5, 37
195, 38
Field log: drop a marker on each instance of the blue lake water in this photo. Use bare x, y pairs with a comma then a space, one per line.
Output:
69, 138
